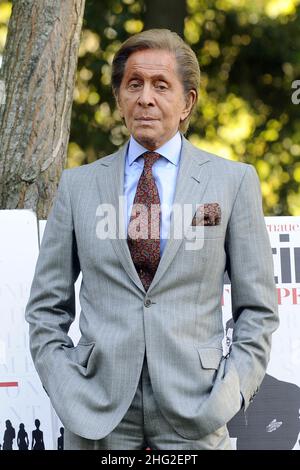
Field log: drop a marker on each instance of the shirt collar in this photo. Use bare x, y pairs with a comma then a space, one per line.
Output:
170, 149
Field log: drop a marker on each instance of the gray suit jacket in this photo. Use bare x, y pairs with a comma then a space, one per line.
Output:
177, 322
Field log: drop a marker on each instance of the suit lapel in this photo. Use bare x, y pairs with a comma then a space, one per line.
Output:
192, 179
111, 187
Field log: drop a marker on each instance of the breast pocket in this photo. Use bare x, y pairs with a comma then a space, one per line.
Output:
203, 238
204, 232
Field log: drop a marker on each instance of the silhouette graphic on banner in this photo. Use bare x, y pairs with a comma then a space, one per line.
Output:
22, 438
9, 436
37, 437
272, 419
60, 440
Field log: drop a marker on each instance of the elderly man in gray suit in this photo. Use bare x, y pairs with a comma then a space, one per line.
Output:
149, 368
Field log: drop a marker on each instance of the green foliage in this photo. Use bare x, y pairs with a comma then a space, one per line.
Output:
249, 58
97, 128
5, 12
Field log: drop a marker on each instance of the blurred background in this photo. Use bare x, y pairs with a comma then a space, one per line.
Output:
249, 55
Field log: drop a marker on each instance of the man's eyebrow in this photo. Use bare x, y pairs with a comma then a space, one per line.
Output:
137, 76
160, 77
134, 76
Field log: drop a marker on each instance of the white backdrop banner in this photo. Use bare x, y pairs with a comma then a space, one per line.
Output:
272, 420
22, 399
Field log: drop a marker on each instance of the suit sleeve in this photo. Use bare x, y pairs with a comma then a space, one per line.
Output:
51, 306
253, 290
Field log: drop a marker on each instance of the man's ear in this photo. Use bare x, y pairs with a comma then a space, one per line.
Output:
190, 100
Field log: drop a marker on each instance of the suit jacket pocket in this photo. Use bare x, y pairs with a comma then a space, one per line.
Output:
210, 358
80, 354
204, 232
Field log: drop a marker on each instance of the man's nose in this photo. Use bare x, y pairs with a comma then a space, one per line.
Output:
146, 96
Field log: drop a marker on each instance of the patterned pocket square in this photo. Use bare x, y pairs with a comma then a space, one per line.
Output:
207, 214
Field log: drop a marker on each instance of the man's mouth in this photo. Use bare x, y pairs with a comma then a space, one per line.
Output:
145, 118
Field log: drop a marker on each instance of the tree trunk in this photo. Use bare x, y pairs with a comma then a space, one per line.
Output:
168, 14
37, 77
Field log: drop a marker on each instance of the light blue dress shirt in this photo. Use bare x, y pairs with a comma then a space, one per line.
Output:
164, 171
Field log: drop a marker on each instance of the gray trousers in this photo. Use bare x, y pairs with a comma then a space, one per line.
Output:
144, 426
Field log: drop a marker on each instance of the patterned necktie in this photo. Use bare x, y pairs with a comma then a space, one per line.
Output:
144, 225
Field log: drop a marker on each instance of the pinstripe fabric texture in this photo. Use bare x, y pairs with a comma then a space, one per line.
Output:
145, 426
177, 322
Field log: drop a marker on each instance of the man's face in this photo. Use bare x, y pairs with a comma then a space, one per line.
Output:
151, 97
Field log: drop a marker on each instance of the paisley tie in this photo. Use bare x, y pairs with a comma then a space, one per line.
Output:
144, 225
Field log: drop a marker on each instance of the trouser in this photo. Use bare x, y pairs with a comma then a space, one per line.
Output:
144, 426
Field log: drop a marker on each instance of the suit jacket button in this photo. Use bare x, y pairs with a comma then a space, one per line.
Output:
147, 303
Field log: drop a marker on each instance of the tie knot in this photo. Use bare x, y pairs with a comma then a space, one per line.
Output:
150, 158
